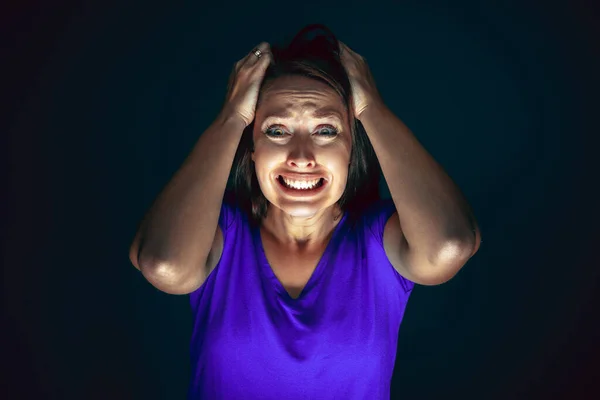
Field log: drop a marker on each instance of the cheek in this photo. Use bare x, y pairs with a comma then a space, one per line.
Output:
265, 162
339, 158
334, 160
337, 164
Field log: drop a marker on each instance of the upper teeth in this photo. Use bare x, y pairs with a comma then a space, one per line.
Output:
301, 184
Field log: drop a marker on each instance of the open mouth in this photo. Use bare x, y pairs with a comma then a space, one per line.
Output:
301, 188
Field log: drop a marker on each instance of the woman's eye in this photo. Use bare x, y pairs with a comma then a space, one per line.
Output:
274, 131
332, 130
277, 132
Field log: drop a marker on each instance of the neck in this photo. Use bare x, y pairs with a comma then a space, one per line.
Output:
297, 234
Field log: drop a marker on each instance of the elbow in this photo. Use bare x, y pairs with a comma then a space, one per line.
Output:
169, 278
450, 260
133, 257
454, 252
165, 276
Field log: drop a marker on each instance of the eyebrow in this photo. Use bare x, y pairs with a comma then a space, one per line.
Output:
322, 113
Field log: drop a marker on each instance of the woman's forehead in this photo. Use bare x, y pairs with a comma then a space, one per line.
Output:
293, 95
306, 109
297, 83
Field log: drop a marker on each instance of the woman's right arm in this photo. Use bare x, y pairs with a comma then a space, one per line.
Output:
174, 240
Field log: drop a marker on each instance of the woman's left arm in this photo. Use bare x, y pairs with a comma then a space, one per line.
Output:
434, 214
433, 211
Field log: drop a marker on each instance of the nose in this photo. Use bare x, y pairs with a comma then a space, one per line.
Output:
301, 159
301, 162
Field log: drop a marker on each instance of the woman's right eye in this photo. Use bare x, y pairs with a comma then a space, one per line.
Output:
274, 131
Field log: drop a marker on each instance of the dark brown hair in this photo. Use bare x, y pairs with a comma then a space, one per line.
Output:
314, 52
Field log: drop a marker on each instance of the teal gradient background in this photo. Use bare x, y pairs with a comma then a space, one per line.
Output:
105, 100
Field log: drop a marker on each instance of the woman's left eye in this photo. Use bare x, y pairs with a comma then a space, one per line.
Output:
333, 131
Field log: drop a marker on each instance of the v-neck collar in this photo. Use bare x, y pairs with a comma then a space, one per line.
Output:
270, 274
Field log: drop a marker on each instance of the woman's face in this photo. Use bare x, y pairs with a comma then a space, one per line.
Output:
301, 144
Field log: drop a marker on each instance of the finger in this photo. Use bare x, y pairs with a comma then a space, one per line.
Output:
344, 50
349, 50
250, 58
265, 53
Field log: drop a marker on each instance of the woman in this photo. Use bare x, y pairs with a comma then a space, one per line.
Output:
298, 273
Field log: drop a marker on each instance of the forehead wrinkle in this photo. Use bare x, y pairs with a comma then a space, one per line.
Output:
319, 113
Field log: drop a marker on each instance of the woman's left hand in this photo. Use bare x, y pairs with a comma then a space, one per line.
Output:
364, 91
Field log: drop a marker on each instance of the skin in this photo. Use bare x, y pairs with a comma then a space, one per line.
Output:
301, 224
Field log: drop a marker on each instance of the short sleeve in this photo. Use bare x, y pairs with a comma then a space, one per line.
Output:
376, 216
229, 211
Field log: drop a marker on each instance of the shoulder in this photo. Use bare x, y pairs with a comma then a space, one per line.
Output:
382, 218
381, 223
230, 212
376, 216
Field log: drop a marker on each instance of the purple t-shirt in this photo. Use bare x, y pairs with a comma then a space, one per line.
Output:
337, 340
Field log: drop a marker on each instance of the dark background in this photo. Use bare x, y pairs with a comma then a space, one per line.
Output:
105, 99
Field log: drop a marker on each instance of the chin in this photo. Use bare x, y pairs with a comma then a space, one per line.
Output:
300, 208
300, 212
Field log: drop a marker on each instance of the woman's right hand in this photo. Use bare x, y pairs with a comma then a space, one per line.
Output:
244, 83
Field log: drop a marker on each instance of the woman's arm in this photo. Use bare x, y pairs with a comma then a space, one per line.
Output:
174, 239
